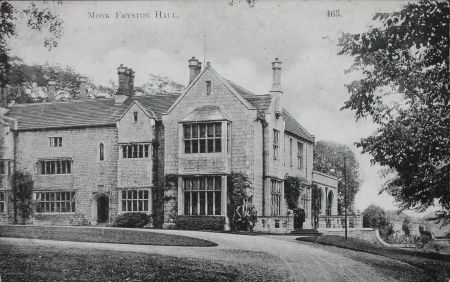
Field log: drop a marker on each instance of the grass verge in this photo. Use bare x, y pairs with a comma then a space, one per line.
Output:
49, 263
438, 264
101, 235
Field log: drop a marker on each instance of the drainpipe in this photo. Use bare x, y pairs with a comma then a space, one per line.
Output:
14, 178
264, 125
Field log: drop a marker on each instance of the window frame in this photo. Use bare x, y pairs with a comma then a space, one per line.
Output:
208, 87
135, 150
135, 198
290, 152
64, 166
3, 202
5, 167
300, 148
101, 151
55, 141
206, 188
55, 200
276, 194
276, 144
194, 138
135, 117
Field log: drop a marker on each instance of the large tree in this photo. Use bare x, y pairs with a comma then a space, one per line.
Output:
35, 17
329, 158
403, 61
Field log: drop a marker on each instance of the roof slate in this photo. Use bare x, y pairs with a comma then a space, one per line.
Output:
83, 113
262, 104
292, 126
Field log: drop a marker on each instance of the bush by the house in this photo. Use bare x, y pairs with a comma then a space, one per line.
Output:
132, 220
192, 222
375, 217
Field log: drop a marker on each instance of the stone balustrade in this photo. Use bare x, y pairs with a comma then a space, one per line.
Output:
338, 221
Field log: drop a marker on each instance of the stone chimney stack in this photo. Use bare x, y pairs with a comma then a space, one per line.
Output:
83, 91
276, 87
194, 68
51, 88
123, 80
131, 82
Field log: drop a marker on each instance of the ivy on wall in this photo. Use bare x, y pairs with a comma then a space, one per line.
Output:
293, 187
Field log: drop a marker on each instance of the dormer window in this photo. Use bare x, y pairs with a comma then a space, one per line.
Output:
208, 87
135, 117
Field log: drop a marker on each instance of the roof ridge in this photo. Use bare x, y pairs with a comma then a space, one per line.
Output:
59, 102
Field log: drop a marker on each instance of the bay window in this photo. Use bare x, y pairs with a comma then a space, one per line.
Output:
202, 195
202, 137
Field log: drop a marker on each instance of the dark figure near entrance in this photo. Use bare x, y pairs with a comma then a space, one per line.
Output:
299, 218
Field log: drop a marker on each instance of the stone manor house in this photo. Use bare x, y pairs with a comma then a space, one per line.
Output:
93, 159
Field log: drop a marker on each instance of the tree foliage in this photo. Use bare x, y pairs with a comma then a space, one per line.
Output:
22, 195
293, 187
240, 195
36, 17
404, 90
375, 217
329, 158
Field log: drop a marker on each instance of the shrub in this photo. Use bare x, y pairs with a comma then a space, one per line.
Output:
292, 190
406, 226
193, 222
132, 220
239, 193
375, 217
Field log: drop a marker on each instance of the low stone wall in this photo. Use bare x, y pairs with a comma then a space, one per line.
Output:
367, 234
275, 224
60, 219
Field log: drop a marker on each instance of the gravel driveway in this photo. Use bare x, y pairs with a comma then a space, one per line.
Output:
301, 262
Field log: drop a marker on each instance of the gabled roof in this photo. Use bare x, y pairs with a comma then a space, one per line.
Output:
83, 113
294, 127
219, 78
262, 104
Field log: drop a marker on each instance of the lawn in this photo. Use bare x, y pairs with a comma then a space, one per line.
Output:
434, 263
101, 235
44, 263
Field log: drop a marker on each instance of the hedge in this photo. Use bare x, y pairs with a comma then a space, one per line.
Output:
200, 222
132, 220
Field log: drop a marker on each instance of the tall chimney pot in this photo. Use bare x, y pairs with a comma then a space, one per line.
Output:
194, 68
51, 88
123, 80
83, 91
276, 87
131, 73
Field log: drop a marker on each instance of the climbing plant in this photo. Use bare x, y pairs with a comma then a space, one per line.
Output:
293, 187
240, 194
22, 195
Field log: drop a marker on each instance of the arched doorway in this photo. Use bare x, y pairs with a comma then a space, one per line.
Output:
329, 203
102, 209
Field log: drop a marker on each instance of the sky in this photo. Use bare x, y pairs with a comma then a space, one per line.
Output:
240, 42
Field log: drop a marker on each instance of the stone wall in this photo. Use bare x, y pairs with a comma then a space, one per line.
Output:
89, 174
242, 157
275, 224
